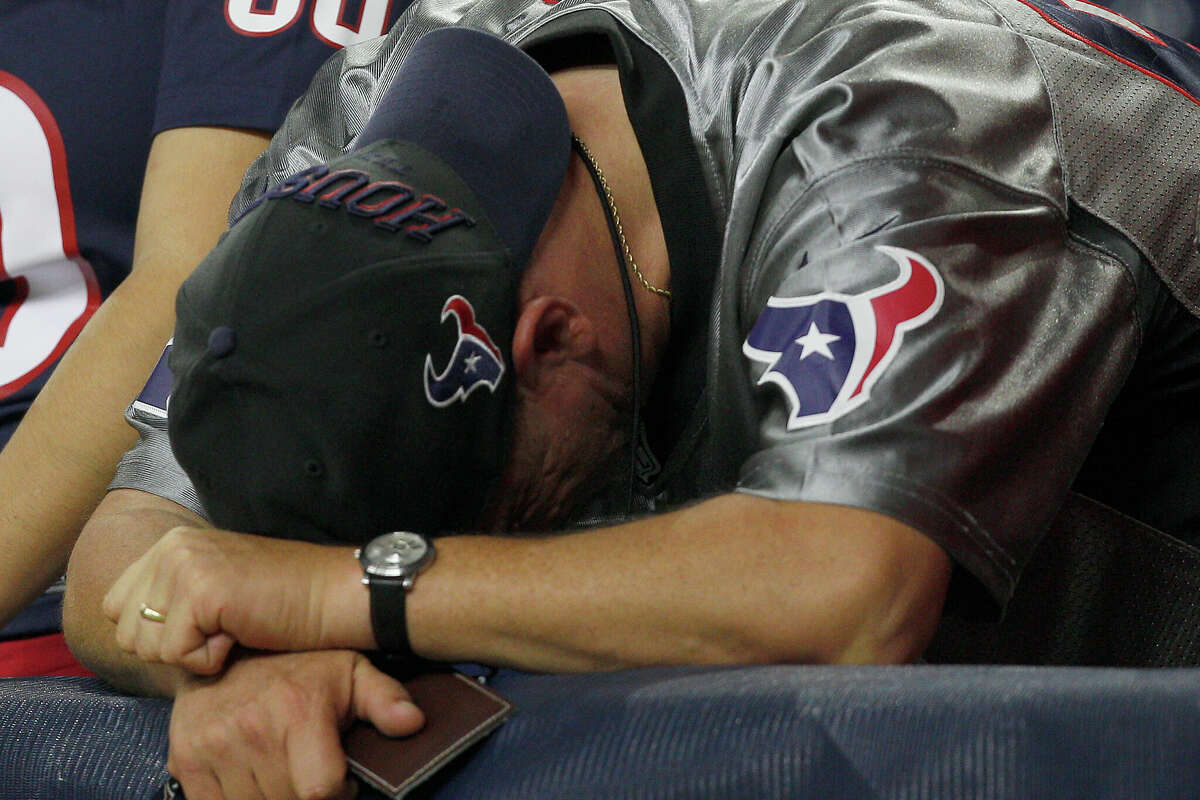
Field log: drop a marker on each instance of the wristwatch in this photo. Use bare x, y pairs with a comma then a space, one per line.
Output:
390, 564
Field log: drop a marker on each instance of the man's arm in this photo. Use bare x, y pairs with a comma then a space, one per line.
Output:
270, 722
55, 469
735, 579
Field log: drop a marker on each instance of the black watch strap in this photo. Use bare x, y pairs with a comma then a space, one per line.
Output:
388, 617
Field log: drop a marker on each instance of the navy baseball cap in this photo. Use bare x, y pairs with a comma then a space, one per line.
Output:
342, 357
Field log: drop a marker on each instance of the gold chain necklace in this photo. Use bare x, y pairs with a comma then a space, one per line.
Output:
616, 215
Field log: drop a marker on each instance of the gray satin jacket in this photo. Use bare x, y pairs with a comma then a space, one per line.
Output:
944, 230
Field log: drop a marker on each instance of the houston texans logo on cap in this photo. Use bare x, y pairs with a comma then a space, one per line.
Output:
825, 351
475, 362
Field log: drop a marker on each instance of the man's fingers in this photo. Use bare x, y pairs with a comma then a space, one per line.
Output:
349, 790
180, 642
117, 608
137, 634
205, 658
238, 783
116, 599
316, 760
148, 642
273, 780
126, 633
381, 700
200, 785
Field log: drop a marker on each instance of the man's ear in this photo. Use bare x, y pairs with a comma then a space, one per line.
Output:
550, 333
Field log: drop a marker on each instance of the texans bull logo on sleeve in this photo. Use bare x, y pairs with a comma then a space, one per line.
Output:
475, 362
825, 351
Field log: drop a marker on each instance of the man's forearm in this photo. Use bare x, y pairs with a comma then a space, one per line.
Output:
734, 580
737, 579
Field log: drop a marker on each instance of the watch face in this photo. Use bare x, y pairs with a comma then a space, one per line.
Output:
395, 554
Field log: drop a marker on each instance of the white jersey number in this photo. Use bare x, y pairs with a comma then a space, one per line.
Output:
50, 291
328, 19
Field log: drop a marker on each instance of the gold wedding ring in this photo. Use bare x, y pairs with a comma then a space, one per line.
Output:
149, 613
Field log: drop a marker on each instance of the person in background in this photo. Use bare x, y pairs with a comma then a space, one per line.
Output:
117, 116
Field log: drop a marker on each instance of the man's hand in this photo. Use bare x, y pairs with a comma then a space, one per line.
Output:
270, 726
198, 591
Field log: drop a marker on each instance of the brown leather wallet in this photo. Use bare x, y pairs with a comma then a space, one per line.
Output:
459, 712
